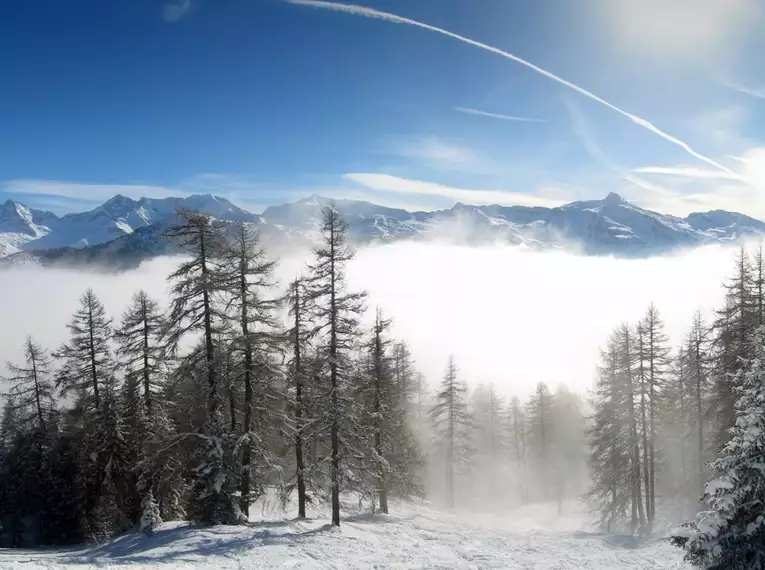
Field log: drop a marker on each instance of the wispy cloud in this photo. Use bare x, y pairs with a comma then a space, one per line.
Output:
175, 10
641, 122
443, 155
67, 196
758, 92
686, 172
479, 113
388, 183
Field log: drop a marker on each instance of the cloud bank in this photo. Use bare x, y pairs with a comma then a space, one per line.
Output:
508, 315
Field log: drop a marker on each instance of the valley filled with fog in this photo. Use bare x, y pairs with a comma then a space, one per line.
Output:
510, 316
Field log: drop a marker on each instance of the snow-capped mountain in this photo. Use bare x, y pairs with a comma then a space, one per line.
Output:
19, 225
122, 216
123, 231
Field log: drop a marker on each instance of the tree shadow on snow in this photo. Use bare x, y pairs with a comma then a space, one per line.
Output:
187, 544
626, 541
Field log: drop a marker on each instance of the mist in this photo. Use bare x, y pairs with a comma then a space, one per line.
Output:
510, 316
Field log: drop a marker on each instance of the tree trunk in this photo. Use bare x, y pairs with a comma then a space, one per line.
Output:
334, 400
212, 396
146, 375
299, 462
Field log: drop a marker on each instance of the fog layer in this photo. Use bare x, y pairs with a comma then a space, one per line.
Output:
510, 316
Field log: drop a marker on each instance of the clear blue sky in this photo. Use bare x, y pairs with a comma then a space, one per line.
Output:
264, 101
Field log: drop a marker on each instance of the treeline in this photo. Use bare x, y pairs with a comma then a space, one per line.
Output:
663, 415
192, 411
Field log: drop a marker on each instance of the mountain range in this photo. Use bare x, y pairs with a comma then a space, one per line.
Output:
122, 232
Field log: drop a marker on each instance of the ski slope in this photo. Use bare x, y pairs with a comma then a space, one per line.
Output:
415, 536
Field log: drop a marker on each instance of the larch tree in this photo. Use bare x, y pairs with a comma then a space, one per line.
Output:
627, 357
88, 370
87, 363
247, 282
140, 338
196, 310
31, 388
336, 313
656, 351
453, 428
610, 450
382, 417
298, 335
539, 435
516, 420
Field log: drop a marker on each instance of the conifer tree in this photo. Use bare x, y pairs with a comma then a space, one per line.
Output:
539, 434
246, 281
196, 309
453, 427
150, 516
141, 345
335, 314
517, 427
730, 535
656, 354
610, 451
299, 335
31, 390
87, 364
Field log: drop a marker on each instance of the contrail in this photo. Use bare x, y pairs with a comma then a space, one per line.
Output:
470, 111
372, 13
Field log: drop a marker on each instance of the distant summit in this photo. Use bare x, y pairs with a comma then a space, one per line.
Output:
124, 231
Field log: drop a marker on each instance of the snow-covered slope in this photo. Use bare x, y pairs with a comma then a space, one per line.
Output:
124, 231
19, 225
413, 536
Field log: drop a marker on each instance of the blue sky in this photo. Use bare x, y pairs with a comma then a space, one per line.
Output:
265, 101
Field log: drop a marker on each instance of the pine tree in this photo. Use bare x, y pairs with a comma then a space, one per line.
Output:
453, 427
734, 330
150, 517
31, 388
335, 314
731, 534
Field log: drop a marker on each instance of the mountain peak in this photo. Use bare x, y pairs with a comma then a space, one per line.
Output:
614, 199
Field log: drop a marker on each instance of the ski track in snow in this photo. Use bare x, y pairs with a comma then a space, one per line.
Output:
415, 536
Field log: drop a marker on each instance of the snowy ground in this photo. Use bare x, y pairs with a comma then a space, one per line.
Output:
415, 536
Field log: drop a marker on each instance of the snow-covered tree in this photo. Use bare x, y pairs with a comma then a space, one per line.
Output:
730, 535
150, 516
